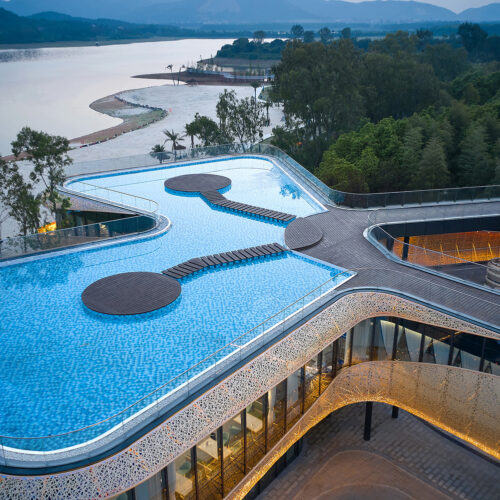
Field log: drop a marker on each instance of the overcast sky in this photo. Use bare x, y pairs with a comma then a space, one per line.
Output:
455, 5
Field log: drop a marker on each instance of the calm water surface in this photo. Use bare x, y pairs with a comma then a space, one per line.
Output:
51, 88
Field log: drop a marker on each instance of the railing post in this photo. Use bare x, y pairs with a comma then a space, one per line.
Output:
406, 242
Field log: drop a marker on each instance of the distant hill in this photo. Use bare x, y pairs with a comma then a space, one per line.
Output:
485, 14
54, 27
379, 12
222, 11
255, 12
250, 11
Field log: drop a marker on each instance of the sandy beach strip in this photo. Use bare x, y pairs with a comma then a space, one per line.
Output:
134, 116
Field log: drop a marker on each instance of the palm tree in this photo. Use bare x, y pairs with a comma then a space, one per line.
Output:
268, 105
255, 86
171, 67
179, 74
175, 138
191, 130
158, 151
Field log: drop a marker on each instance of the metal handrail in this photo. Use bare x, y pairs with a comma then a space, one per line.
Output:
185, 372
231, 149
25, 245
85, 194
339, 198
411, 245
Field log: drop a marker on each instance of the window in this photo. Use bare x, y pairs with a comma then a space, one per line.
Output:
276, 416
326, 367
181, 483
256, 432
208, 467
311, 382
294, 397
361, 344
233, 453
152, 489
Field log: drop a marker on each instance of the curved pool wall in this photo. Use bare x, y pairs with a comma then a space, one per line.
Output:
74, 368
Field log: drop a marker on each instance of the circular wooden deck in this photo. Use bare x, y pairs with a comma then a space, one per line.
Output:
302, 233
131, 293
197, 183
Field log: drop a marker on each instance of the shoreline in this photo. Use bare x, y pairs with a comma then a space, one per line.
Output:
113, 105
92, 43
201, 79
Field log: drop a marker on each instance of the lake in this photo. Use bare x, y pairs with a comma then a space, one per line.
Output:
50, 89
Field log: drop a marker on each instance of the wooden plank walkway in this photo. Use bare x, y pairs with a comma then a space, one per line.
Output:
192, 266
217, 199
343, 244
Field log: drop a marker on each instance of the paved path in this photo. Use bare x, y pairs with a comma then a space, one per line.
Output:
415, 453
363, 474
343, 244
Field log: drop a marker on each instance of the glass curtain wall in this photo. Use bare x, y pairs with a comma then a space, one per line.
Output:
219, 462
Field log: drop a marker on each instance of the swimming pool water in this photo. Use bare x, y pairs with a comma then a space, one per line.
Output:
63, 367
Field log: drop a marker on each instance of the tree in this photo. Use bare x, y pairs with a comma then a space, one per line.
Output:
171, 68
473, 38
474, 165
319, 85
242, 119
268, 104
412, 149
297, 31
19, 198
325, 35
423, 37
346, 33
4, 209
191, 131
397, 85
341, 174
446, 61
258, 36
174, 138
432, 171
255, 86
49, 155
308, 36
158, 148
158, 151
226, 100
205, 129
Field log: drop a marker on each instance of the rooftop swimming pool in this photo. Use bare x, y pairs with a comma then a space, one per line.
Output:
64, 367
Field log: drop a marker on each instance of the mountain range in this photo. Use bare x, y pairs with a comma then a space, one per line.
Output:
254, 11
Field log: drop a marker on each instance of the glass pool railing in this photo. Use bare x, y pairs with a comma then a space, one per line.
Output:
333, 196
80, 444
20, 246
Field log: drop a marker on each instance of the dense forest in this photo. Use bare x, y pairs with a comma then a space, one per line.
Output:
406, 112
54, 27
257, 49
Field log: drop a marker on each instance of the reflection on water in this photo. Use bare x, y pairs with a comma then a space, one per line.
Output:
19, 55
51, 88
290, 190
